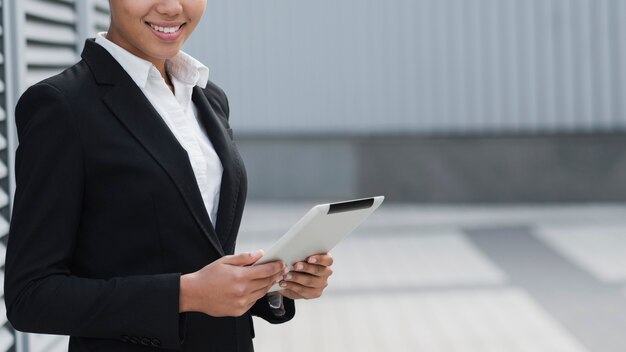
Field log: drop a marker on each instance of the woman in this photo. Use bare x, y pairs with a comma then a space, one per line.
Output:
129, 197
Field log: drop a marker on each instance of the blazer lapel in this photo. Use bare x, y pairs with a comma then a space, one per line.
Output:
132, 108
224, 148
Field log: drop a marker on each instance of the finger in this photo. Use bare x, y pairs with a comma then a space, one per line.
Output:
266, 282
305, 279
290, 294
265, 270
242, 259
312, 269
304, 291
325, 259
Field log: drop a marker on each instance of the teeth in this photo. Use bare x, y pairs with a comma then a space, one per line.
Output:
165, 29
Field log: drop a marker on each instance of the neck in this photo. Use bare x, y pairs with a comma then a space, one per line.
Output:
161, 67
114, 37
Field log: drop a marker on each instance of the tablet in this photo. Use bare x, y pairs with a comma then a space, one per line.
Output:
319, 230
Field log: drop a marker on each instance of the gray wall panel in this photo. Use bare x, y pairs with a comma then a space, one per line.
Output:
419, 66
300, 168
430, 169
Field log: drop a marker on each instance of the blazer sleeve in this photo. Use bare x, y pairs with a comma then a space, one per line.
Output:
41, 292
263, 310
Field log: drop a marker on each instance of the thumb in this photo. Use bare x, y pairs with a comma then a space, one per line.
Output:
243, 259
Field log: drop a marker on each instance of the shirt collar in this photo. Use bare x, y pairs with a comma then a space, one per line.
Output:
188, 70
183, 67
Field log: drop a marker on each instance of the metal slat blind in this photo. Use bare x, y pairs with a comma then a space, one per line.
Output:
100, 10
51, 37
7, 337
418, 66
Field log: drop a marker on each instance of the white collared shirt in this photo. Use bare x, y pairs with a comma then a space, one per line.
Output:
178, 112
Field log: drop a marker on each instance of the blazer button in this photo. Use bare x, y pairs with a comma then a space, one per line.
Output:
125, 338
146, 341
155, 342
134, 339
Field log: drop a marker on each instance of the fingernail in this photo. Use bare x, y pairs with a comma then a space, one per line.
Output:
299, 266
312, 260
254, 254
286, 270
283, 284
289, 277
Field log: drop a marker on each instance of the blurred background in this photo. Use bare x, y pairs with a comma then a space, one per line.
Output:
496, 129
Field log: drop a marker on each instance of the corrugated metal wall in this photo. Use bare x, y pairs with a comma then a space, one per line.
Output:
7, 337
418, 66
54, 32
45, 37
51, 36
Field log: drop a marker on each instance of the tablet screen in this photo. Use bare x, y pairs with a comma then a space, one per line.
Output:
320, 229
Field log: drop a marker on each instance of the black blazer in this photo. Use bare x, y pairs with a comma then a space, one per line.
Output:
107, 215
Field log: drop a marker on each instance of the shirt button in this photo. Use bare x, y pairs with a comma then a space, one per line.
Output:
146, 341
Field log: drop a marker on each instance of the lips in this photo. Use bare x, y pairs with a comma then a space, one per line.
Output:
167, 31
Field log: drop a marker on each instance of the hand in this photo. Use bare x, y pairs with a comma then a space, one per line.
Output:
228, 287
309, 279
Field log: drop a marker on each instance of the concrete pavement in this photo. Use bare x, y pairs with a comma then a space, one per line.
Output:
461, 278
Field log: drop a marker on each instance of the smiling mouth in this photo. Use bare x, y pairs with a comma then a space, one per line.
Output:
166, 30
